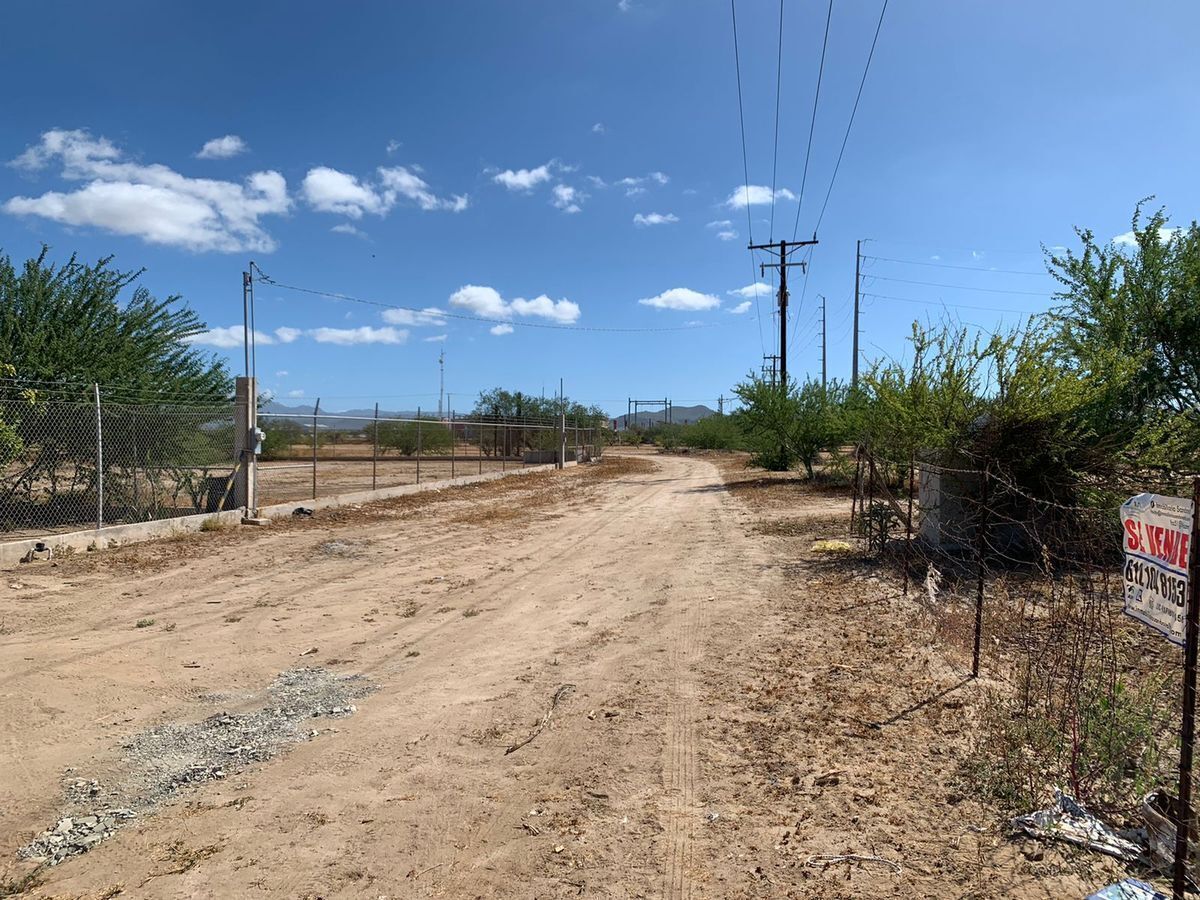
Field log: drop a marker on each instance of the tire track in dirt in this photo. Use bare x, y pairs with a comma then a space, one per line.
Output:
679, 766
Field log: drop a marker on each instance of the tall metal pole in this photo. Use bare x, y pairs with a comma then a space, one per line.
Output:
374, 446
246, 322
441, 381
1187, 731
824, 356
419, 445
253, 339
857, 281
316, 409
99, 461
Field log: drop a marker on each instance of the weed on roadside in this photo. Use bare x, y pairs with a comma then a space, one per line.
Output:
144, 623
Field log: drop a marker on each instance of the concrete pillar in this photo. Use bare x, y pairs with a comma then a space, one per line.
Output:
245, 422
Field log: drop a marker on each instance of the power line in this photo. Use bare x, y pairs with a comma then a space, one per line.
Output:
813, 124
746, 170
778, 94
854, 111
959, 287
940, 265
442, 314
1023, 312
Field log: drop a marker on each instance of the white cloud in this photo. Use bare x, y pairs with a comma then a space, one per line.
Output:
742, 307
362, 335
935, 257
405, 183
567, 198
328, 190
598, 128
347, 228
286, 335
431, 315
682, 299
725, 229
523, 179
282, 373
654, 219
563, 311
227, 337
299, 392
222, 147
755, 195
1129, 239
758, 289
596, 181
634, 191
624, 5
487, 303
480, 300
435, 338
501, 329
151, 202
660, 177
393, 146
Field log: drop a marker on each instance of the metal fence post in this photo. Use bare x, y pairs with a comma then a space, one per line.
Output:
99, 462
452, 442
418, 445
1187, 731
912, 463
980, 536
504, 441
316, 408
374, 446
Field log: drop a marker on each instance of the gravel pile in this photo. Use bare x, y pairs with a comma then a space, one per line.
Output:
161, 761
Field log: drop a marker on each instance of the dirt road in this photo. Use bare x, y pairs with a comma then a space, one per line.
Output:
467, 615
711, 737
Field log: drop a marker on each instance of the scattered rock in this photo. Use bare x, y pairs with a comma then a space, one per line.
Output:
163, 760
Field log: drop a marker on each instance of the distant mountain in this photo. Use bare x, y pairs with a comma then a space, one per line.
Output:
347, 418
680, 415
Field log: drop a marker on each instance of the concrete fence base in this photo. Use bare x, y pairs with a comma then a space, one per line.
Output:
13, 553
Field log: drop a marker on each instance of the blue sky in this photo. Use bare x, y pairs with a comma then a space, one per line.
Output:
558, 163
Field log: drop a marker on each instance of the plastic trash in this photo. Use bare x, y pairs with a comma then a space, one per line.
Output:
1158, 809
1069, 821
1129, 889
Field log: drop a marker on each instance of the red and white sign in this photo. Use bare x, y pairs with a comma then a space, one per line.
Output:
1158, 534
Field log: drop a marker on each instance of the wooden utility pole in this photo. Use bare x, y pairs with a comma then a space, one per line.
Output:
781, 251
857, 280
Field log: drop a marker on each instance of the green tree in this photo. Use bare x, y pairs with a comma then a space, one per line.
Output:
793, 426
1129, 325
69, 324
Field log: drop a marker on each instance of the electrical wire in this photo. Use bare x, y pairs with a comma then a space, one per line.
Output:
333, 295
1023, 312
959, 287
853, 112
746, 173
940, 265
778, 94
812, 125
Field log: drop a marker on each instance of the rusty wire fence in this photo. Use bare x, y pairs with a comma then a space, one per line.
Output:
1017, 571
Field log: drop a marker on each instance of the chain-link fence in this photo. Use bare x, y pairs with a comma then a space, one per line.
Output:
321, 455
75, 459
74, 462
